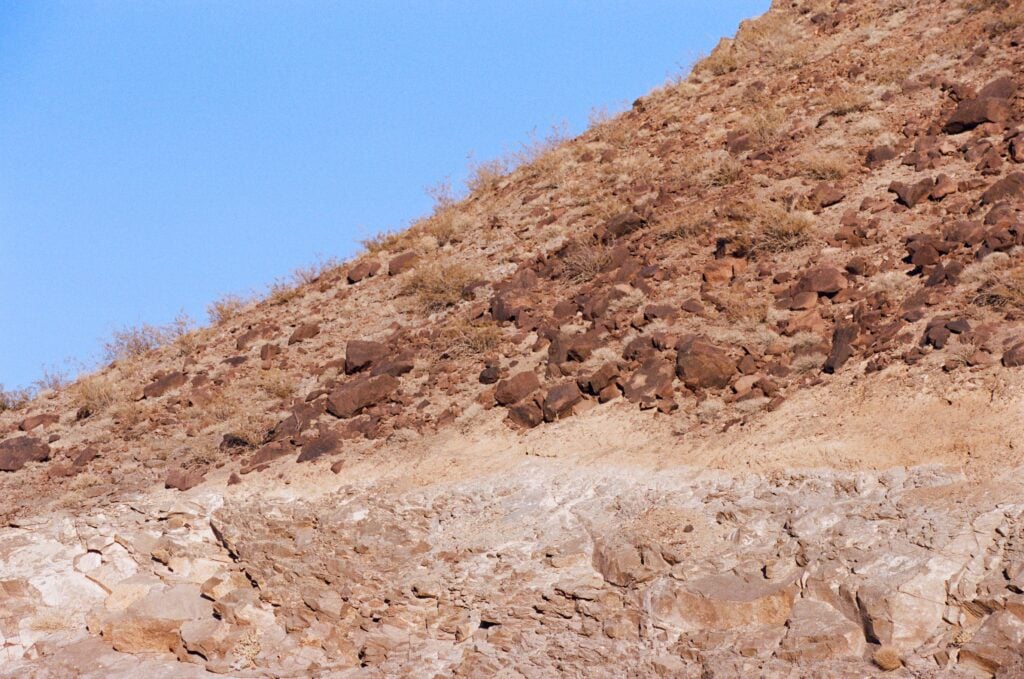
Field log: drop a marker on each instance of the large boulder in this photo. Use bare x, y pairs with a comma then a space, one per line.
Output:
164, 384
516, 388
560, 399
973, 112
17, 452
704, 366
352, 397
362, 354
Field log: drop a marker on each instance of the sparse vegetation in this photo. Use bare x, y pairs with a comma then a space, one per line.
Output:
225, 308
722, 60
824, 167
472, 338
765, 125
277, 383
94, 393
129, 342
52, 379
725, 172
14, 399
1003, 291
584, 261
438, 285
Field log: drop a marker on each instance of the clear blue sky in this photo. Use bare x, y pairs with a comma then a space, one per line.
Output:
155, 155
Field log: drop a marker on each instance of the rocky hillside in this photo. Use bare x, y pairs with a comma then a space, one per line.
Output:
727, 386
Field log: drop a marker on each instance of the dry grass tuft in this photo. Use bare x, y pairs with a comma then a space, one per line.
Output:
14, 399
469, 338
1002, 290
94, 393
225, 308
769, 228
484, 175
765, 125
277, 383
438, 285
723, 59
844, 102
725, 172
824, 167
130, 342
584, 261
385, 240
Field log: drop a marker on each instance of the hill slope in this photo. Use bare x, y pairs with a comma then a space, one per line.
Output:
729, 385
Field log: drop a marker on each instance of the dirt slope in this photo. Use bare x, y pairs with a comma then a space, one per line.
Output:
729, 385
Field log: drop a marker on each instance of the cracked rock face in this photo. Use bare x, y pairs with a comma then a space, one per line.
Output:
537, 573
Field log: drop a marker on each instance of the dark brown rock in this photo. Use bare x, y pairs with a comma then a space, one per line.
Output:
912, 194
842, 347
1014, 356
352, 397
704, 366
363, 270
621, 224
41, 420
361, 354
1009, 186
879, 156
825, 195
326, 444
651, 385
525, 415
516, 388
973, 112
402, 262
162, 385
490, 374
17, 452
268, 454
824, 280
560, 399
304, 332
597, 381
179, 479
85, 456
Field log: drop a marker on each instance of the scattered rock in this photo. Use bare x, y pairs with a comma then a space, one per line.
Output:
17, 452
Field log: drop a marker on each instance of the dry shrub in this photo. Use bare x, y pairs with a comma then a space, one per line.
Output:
686, 229
824, 167
282, 291
385, 240
277, 383
723, 59
1002, 290
807, 363
438, 285
94, 393
844, 102
446, 226
52, 379
14, 399
726, 171
469, 338
304, 275
225, 308
129, 342
769, 228
250, 428
765, 125
128, 415
584, 261
483, 175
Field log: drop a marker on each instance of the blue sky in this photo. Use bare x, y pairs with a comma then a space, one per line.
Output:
156, 155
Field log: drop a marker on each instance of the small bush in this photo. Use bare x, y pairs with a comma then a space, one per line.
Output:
52, 380
824, 167
725, 172
485, 174
584, 261
1003, 291
130, 342
225, 308
14, 399
765, 125
845, 102
277, 384
94, 393
385, 240
722, 60
446, 226
438, 285
779, 230
466, 338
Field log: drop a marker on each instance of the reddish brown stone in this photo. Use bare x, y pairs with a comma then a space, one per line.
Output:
362, 270
598, 380
824, 280
1014, 356
327, 444
267, 454
161, 386
704, 366
17, 452
402, 262
560, 399
652, 383
516, 388
352, 397
361, 354
304, 332
525, 415
1007, 187
41, 420
912, 194
973, 112
842, 347
180, 479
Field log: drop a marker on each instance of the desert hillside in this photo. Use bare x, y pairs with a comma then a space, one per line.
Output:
730, 385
